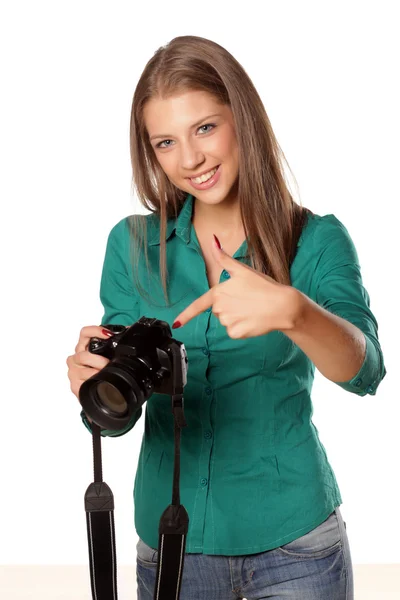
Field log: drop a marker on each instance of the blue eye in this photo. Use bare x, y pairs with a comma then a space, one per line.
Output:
163, 142
207, 125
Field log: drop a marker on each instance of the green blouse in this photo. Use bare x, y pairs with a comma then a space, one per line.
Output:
254, 473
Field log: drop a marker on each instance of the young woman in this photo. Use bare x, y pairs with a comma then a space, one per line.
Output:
284, 295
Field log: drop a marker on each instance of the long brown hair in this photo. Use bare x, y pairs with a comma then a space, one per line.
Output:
272, 220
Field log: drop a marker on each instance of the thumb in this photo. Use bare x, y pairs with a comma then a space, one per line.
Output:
222, 258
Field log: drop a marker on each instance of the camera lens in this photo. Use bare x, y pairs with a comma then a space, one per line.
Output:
111, 398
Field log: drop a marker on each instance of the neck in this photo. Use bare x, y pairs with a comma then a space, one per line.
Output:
222, 219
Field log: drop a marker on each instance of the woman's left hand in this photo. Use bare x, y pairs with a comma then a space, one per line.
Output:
248, 304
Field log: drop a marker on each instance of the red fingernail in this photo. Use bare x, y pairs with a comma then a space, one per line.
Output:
106, 332
217, 241
176, 325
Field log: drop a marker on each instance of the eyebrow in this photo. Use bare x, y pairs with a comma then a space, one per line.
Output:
168, 135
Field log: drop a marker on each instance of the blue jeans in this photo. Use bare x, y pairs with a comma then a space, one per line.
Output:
316, 566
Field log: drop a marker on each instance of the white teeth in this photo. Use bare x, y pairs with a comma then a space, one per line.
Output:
204, 177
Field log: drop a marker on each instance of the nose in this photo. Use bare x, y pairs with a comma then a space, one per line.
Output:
191, 156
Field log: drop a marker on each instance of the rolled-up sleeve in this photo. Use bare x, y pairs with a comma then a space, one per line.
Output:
120, 302
340, 290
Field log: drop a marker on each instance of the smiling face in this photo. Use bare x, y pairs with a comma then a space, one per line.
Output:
193, 134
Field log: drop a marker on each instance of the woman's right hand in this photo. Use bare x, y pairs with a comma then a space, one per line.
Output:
84, 364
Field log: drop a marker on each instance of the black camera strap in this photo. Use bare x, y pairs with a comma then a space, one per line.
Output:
99, 507
174, 523
173, 526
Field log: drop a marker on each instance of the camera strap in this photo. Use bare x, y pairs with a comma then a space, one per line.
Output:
173, 526
174, 523
99, 507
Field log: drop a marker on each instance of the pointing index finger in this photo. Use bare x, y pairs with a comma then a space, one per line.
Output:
195, 308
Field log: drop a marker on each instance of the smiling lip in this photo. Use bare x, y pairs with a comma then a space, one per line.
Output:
203, 173
209, 183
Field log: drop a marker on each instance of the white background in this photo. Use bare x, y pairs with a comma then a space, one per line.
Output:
328, 75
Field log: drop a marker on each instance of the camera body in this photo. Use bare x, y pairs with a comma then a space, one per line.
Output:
144, 358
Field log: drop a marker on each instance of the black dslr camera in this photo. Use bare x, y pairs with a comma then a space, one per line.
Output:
144, 358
